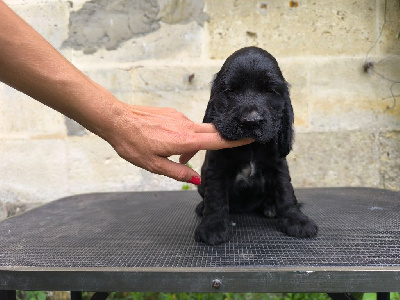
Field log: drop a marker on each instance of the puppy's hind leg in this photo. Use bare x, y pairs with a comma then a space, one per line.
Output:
294, 223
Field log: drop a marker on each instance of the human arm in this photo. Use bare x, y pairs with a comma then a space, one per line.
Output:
144, 136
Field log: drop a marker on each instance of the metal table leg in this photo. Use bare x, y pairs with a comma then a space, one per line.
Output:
76, 295
341, 296
382, 296
8, 295
100, 296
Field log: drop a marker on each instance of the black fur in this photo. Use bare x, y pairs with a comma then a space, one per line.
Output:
250, 99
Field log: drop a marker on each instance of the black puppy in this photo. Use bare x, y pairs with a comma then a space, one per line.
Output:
250, 99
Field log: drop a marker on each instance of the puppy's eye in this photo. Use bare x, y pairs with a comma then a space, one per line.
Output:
277, 92
273, 91
276, 102
267, 89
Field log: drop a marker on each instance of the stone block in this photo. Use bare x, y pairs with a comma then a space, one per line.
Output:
33, 171
182, 11
49, 18
389, 143
181, 77
387, 67
343, 97
180, 41
116, 80
389, 11
94, 166
109, 23
335, 159
299, 100
310, 28
296, 73
23, 117
77, 4
192, 104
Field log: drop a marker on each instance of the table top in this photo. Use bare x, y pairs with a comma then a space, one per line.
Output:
144, 241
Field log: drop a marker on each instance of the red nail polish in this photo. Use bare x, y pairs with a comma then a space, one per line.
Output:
195, 180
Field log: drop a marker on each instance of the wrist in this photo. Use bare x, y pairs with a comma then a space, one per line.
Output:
106, 117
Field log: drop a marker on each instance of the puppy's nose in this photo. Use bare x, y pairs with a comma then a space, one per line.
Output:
250, 118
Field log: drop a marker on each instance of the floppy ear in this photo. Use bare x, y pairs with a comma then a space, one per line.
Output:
209, 115
286, 133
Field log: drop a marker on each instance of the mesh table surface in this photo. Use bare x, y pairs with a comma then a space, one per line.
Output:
136, 234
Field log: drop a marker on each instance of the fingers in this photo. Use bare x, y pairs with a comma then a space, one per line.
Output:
210, 139
214, 141
204, 128
177, 171
185, 157
207, 138
232, 144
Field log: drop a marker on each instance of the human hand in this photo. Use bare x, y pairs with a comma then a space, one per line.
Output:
144, 136
147, 136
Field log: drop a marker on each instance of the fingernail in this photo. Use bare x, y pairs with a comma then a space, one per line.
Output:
195, 180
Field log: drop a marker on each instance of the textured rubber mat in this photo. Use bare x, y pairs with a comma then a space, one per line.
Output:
358, 227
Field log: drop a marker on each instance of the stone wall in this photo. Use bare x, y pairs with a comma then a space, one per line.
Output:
165, 52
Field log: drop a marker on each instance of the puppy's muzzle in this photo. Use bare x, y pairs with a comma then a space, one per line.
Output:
252, 118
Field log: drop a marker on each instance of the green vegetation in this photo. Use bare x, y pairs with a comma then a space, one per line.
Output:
31, 295
217, 296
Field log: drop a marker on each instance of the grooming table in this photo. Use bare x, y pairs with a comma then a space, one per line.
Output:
144, 241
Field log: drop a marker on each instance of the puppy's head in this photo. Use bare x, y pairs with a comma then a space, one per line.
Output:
250, 99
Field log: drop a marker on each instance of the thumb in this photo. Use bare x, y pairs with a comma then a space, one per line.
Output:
175, 170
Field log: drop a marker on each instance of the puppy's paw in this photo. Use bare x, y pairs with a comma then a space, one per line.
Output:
299, 227
212, 231
270, 211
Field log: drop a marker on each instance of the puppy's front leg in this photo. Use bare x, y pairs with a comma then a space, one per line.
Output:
214, 226
292, 221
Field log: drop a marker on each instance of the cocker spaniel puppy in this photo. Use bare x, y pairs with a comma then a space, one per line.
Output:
250, 99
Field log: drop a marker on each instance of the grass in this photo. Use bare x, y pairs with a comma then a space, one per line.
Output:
36, 295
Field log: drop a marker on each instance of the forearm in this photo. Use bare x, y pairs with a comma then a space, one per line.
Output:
144, 136
31, 65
